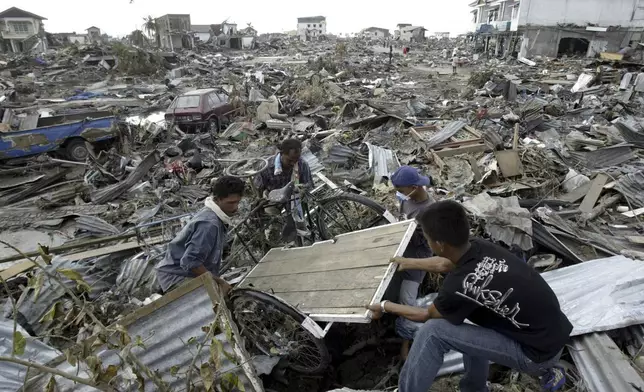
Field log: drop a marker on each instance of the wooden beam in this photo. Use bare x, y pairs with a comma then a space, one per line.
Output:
596, 188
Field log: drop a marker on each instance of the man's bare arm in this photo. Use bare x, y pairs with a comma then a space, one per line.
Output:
411, 313
199, 270
433, 264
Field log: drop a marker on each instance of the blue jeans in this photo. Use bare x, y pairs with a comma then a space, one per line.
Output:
478, 345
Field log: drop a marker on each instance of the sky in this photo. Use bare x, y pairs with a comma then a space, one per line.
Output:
121, 17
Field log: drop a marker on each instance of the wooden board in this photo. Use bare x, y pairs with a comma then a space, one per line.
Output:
509, 163
596, 188
333, 280
25, 265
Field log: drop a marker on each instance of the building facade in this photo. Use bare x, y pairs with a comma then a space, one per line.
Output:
376, 32
21, 31
311, 28
173, 31
93, 34
412, 34
553, 28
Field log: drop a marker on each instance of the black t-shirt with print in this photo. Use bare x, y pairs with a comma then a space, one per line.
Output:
494, 289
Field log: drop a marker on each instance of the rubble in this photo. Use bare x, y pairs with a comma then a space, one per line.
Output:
546, 155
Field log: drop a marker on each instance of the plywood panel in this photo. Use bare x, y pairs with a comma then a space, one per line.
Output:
319, 262
360, 278
334, 280
351, 298
390, 235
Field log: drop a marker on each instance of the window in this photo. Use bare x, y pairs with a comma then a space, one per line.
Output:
187, 101
21, 27
309, 25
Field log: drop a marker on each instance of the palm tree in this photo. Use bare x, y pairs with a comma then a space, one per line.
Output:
137, 38
150, 27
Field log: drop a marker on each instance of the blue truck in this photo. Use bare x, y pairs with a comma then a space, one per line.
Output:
64, 134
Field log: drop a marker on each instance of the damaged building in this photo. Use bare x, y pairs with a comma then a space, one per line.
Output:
553, 28
21, 31
173, 31
375, 32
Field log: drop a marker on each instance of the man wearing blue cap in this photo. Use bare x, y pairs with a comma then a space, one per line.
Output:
411, 191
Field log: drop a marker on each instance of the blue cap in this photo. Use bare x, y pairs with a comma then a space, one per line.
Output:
409, 176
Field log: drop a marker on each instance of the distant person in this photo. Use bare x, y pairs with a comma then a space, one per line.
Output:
285, 167
516, 318
199, 246
454, 64
391, 53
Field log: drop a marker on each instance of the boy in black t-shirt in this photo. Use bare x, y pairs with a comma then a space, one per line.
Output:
518, 320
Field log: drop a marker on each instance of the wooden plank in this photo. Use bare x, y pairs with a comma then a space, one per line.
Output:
348, 311
320, 262
449, 152
577, 194
25, 265
596, 188
509, 163
636, 239
384, 236
362, 278
633, 213
320, 299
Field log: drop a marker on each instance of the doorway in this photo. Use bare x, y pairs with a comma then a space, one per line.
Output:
573, 47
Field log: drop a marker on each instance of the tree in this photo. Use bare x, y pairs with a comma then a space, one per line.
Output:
138, 38
150, 27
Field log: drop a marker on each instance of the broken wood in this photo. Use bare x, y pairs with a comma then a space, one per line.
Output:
596, 188
600, 209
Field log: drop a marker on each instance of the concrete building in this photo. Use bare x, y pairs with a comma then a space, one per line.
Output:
174, 31
375, 32
553, 27
312, 27
441, 35
21, 31
93, 34
412, 33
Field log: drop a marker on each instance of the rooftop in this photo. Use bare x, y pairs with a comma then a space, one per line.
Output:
92, 28
376, 28
311, 19
15, 12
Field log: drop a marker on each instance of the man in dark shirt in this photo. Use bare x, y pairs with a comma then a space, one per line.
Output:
519, 322
285, 167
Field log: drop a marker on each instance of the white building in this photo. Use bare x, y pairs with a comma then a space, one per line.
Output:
375, 32
311, 27
201, 31
555, 27
21, 31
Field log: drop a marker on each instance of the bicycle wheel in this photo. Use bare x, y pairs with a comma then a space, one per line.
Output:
246, 167
275, 328
348, 212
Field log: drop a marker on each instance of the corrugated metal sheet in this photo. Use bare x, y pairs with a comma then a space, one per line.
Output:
631, 134
603, 157
12, 375
543, 237
312, 160
632, 187
448, 131
100, 273
382, 162
138, 277
96, 225
603, 366
600, 295
166, 333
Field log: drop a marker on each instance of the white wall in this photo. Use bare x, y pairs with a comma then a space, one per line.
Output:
204, 37
625, 13
319, 29
77, 39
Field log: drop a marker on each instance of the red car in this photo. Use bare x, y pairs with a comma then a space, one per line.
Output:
200, 110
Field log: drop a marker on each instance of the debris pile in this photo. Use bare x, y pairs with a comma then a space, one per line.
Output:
106, 151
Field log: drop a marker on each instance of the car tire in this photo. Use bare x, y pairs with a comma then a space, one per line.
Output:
76, 150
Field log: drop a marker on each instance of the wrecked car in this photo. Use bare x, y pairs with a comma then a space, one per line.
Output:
64, 134
202, 110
